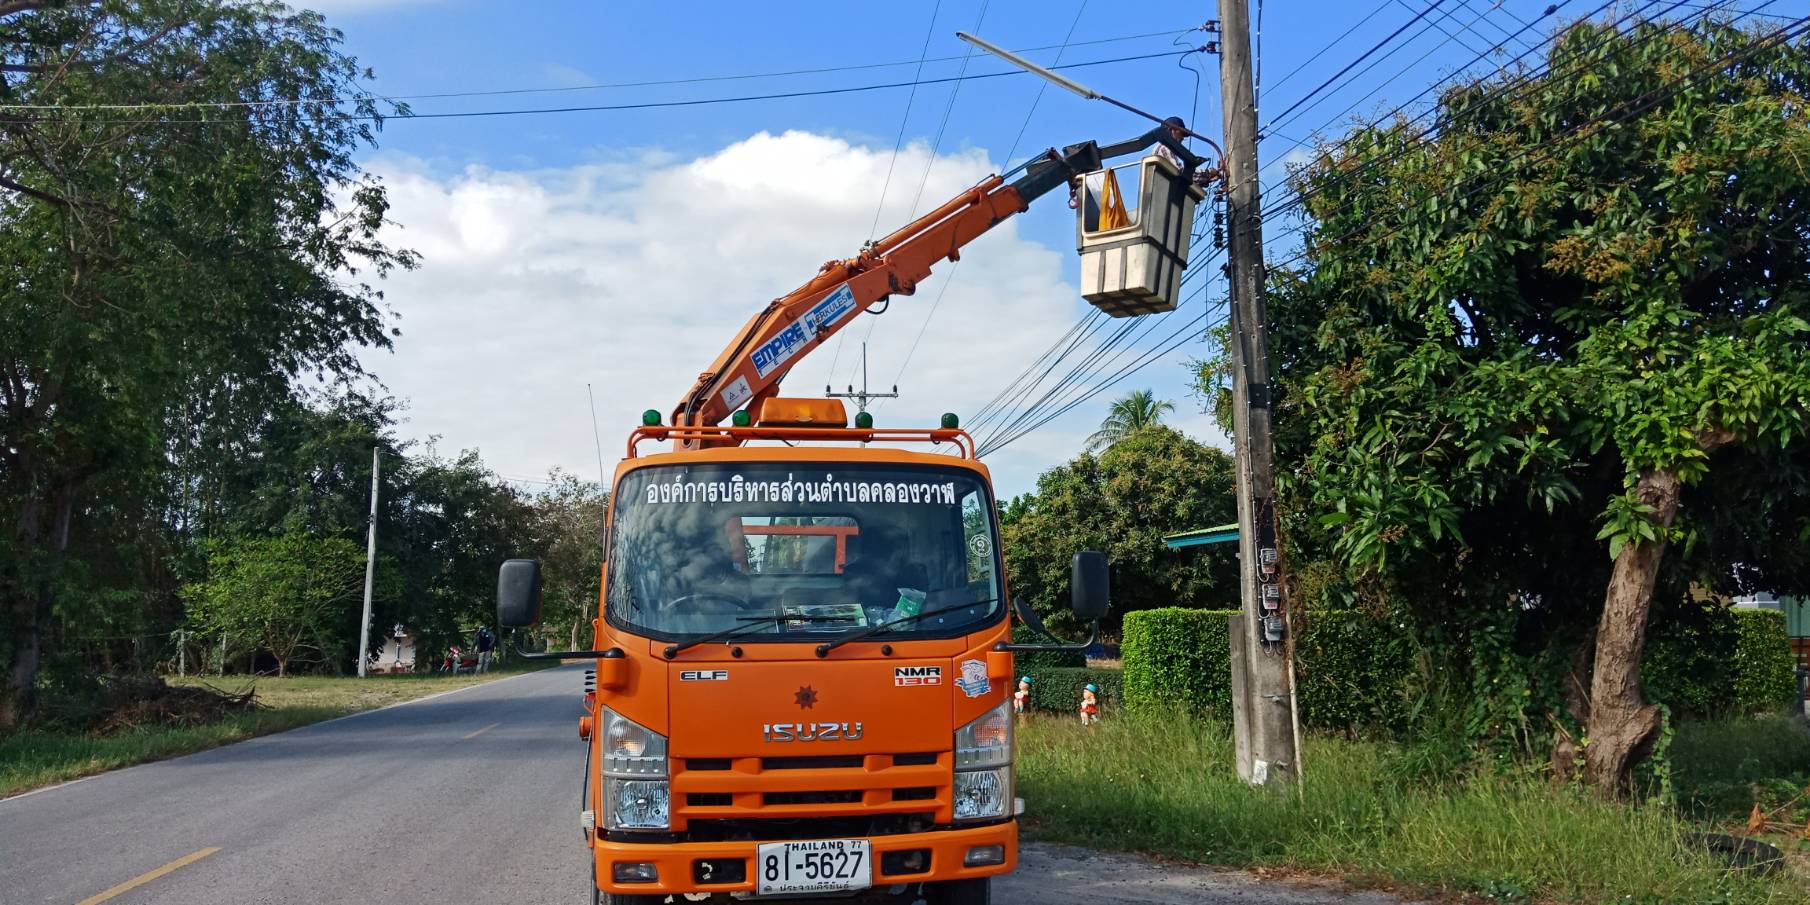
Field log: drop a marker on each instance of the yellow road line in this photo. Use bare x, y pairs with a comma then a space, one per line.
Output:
144, 878
483, 730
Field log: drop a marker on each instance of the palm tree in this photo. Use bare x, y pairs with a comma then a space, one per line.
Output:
1131, 413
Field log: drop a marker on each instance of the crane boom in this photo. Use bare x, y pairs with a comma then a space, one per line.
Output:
778, 337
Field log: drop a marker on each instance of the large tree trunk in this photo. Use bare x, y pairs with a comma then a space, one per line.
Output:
1622, 724
40, 547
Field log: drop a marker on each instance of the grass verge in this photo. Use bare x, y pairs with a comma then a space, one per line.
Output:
1369, 812
36, 758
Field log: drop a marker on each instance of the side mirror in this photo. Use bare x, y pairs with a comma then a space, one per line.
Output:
1088, 585
518, 593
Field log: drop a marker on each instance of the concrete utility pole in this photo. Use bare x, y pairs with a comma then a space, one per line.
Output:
364, 625
862, 397
1262, 677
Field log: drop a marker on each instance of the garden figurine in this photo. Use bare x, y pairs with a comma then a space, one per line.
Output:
1090, 704
1022, 697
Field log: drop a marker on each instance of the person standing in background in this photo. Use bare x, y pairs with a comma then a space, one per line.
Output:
486, 642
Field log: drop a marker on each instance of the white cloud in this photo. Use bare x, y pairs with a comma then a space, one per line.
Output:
632, 274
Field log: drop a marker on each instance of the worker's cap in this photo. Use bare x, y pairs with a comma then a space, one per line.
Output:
1093, 688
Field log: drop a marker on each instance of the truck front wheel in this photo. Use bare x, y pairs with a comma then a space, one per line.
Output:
962, 892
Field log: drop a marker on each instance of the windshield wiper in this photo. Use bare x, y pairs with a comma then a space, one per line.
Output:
823, 650
754, 622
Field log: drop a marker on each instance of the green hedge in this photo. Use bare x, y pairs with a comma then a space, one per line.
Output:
1032, 661
1058, 690
1177, 657
1357, 672
1713, 661
1354, 671
1765, 667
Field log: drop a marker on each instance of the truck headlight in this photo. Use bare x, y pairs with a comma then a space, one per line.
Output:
631, 749
986, 742
638, 804
982, 794
983, 766
636, 793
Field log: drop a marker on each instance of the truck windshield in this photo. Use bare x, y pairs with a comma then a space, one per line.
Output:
817, 549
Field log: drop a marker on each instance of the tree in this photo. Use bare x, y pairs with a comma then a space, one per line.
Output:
1123, 502
568, 526
1518, 343
1130, 413
283, 595
161, 256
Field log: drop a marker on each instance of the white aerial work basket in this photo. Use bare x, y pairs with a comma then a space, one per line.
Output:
1132, 259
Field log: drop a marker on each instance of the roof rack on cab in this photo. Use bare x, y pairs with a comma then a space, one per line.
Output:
732, 436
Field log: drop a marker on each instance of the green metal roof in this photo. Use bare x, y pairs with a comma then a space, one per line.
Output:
1219, 534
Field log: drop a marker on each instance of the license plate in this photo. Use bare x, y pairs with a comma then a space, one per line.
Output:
821, 865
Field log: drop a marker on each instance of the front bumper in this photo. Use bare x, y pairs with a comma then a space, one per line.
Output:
677, 861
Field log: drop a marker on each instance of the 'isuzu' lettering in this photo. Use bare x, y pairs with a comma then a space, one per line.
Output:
810, 732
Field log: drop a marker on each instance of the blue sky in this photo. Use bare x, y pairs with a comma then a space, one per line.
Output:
622, 248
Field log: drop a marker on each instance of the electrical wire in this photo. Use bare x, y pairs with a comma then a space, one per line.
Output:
1521, 80
1361, 58
1107, 353
954, 266
644, 105
1315, 56
1379, 86
936, 146
1304, 105
897, 143
1621, 114
1525, 80
602, 86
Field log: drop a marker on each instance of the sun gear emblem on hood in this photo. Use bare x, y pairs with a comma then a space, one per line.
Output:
806, 697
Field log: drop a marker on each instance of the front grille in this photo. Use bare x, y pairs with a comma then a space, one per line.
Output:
793, 797
831, 762
759, 830
785, 798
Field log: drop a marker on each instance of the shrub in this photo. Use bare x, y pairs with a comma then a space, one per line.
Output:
1034, 661
1177, 657
1708, 660
1059, 690
1764, 665
1354, 671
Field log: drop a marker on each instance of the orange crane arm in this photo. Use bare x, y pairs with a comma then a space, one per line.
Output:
777, 338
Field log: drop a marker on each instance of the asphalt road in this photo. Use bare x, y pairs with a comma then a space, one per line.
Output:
470, 796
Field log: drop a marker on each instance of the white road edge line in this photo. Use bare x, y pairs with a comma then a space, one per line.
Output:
437, 694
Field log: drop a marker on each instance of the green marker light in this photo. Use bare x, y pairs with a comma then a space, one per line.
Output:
950, 422
741, 418
651, 418
864, 420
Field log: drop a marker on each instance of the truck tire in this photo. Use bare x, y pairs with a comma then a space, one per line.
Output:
962, 892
